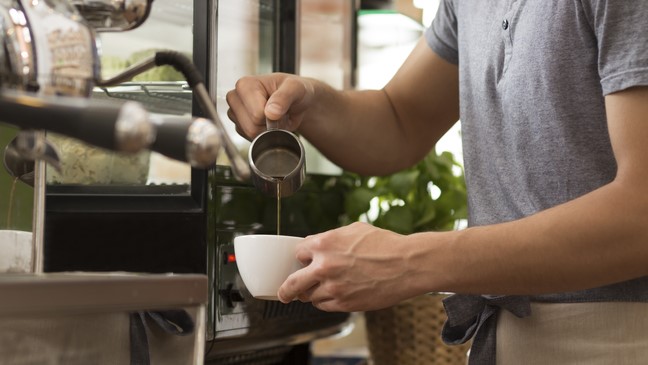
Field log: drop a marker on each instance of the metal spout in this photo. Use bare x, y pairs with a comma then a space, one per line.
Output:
113, 15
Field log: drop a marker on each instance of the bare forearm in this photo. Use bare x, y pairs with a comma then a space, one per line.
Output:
600, 238
382, 131
358, 130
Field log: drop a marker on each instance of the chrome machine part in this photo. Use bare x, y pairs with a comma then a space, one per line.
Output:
133, 129
195, 141
114, 126
203, 143
16, 165
48, 48
67, 61
277, 161
17, 53
113, 15
23, 150
126, 127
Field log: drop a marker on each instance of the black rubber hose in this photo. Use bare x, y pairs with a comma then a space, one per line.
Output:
181, 63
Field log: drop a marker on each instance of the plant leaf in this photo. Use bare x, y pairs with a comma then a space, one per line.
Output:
428, 213
357, 202
399, 219
401, 183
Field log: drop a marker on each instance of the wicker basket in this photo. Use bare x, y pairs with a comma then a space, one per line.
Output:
410, 334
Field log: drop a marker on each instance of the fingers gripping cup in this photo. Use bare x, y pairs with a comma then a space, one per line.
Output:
265, 261
277, 162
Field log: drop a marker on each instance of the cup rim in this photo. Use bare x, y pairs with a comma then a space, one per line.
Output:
19, 231
267, 235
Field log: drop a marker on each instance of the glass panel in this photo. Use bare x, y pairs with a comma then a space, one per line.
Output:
246, 31
245, 46
326, 49
326, 41
161, 90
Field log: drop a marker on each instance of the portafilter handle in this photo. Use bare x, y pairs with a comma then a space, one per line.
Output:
197, 141
126, 127
117, 127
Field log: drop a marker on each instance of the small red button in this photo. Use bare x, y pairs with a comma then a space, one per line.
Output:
231, 258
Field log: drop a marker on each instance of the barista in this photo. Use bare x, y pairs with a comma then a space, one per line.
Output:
553, 100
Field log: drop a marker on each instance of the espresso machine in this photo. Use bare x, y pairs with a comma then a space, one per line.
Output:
93, 222
50, 66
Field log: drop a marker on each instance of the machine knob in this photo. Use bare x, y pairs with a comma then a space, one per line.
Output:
231, 295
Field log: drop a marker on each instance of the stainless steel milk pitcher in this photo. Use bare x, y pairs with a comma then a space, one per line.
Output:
277, 162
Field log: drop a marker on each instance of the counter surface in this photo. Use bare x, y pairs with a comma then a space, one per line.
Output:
84, 292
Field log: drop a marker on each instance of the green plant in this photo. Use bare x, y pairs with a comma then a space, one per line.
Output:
430, 195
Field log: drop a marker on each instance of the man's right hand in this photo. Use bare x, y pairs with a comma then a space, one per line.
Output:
275, 97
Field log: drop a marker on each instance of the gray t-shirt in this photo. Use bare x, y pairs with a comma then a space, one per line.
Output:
533, 76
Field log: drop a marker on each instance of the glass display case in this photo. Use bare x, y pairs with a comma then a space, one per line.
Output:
162, 90
106, 211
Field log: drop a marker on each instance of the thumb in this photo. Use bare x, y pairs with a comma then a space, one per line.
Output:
274, 110
291, 92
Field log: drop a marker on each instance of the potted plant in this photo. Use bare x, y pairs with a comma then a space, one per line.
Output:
430, 196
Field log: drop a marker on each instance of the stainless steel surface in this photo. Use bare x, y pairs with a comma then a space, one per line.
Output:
38, 215
64, 48
48, 49
277, 162
17, 165
85, 318
133, 129
113, 15
17, 58
203, 143
124, 127
79, 292
21, 152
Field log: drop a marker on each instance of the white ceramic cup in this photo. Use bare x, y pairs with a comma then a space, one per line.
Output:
15, 251
265, 261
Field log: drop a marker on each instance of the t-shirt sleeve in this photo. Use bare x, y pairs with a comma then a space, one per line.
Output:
621, 30
441, 35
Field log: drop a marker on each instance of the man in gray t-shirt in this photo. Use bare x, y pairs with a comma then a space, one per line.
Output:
553, 100
533, 80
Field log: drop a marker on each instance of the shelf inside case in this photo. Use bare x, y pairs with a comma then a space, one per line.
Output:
164, 97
